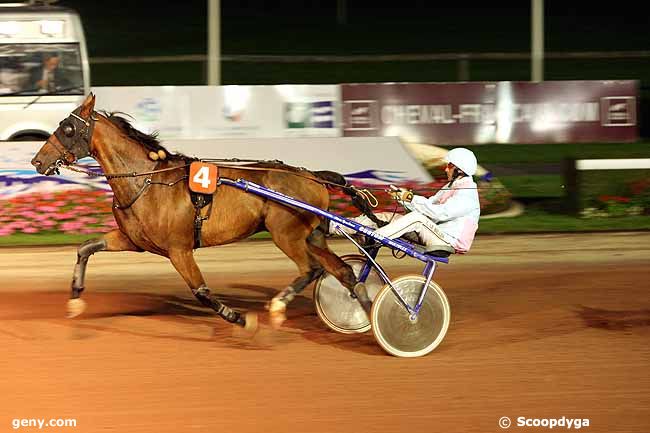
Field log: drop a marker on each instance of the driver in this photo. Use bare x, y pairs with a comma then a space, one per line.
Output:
49, 77
447, 219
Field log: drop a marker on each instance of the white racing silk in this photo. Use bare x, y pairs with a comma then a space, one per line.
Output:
455, 210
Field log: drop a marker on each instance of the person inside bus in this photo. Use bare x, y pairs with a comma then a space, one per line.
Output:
13, 77
49, 77
448, 219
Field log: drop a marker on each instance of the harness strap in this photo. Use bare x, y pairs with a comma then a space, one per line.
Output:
199, 201
144, 187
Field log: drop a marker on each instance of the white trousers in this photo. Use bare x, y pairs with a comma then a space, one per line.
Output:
426, 229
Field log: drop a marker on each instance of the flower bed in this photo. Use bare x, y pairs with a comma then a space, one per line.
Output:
72, 212
89, 211
634, 200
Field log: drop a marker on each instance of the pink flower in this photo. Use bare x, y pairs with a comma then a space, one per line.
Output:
64, 216
19, 224
71, 226
47, 208
28, 214
87, 220
40, 217
4, 231
110, 225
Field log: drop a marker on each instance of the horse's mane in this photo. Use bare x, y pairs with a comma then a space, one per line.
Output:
149, 141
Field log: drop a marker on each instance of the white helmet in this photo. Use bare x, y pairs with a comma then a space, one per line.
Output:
464, 159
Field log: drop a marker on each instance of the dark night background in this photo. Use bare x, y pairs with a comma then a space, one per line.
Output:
310, 27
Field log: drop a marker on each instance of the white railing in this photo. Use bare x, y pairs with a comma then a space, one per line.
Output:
612, 164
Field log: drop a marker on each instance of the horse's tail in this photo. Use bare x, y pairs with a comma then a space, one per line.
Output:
359, 199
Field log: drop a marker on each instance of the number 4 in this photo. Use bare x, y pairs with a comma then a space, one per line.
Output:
203, 177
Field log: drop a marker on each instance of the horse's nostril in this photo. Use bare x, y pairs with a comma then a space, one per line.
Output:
36, 163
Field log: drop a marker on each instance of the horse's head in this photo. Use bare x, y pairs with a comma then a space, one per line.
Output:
70, 142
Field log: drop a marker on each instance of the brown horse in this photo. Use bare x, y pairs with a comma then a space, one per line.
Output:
155, 213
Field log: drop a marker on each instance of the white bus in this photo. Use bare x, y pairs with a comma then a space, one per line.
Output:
44, 72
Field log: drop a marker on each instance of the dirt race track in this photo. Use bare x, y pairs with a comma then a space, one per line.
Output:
543, 326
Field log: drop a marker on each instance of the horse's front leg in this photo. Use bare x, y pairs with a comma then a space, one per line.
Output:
183, 261
111, 241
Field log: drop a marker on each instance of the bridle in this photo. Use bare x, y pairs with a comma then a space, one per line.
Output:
74, 135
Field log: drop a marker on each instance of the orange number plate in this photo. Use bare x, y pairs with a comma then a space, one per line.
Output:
203, 177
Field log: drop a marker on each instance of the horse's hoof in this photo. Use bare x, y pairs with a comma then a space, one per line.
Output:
249, 329
277, 314
277, 319
251, 322
76, 307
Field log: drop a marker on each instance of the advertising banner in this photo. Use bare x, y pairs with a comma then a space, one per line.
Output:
493, 112
204, 112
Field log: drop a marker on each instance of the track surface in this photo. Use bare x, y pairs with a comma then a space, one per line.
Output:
543, 326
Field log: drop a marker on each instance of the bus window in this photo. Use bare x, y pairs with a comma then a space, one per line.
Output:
34, 69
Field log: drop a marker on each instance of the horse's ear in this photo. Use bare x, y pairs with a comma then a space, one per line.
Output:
88, 105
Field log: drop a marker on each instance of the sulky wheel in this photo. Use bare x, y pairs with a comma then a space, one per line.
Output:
334, 305
402, 335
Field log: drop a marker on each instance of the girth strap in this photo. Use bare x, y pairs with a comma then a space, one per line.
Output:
200, 201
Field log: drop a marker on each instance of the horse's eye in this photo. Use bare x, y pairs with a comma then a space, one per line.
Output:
68, 130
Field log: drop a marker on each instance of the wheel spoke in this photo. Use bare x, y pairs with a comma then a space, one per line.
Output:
334, 305
398, 331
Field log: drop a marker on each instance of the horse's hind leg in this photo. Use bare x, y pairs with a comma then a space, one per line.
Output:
183, 261
295, 247
312, 257
297, 285
332, 263
111, 241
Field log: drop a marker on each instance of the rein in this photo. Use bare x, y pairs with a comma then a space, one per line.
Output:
365, 193
75, 134
222, 163
120, 175
147, 182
